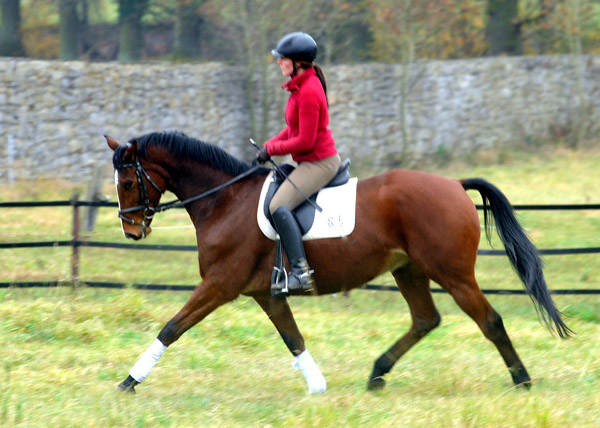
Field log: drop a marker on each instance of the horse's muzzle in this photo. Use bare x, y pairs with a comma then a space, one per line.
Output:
138, 233
133, 236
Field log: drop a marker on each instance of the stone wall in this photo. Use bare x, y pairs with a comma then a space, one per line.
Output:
53, 114
461, 105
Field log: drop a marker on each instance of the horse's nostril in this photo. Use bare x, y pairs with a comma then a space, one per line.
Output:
132, 236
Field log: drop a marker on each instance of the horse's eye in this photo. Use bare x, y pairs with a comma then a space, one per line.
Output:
128, 185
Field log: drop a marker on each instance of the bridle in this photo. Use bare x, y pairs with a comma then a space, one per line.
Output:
148, 210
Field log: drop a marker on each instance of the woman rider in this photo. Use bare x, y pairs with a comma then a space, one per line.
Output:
308, 139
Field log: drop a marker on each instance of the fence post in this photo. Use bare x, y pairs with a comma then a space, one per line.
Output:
75, 241
94, 194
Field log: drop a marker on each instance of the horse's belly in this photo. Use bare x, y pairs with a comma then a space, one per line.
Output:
357, 270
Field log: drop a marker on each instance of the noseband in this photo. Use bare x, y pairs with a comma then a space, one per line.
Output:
148, 210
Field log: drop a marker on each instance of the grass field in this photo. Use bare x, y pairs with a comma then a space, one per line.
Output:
64, 350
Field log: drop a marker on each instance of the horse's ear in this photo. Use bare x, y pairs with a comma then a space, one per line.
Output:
112, 143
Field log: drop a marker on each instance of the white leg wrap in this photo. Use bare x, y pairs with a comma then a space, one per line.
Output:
315, 380
147, 361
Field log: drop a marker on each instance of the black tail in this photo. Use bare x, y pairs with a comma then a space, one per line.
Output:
523, 255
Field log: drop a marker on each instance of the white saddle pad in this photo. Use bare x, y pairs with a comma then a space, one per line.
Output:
335, 221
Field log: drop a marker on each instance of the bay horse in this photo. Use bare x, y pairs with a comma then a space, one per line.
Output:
418, 226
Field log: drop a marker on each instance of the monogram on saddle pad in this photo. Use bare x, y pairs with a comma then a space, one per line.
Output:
337, 199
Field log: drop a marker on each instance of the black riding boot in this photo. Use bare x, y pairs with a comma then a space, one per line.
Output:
300, 278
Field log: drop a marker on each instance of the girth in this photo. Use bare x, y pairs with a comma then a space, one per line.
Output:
305, 212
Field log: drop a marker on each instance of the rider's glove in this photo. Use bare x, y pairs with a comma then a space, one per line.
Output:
262, 156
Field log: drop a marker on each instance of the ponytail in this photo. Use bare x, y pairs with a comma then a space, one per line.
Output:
321, 77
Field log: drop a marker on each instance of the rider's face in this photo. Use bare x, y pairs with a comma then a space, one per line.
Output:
286, 65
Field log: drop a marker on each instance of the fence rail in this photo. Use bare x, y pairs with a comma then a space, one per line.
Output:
76, 243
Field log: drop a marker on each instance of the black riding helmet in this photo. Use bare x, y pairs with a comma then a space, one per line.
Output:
296, 46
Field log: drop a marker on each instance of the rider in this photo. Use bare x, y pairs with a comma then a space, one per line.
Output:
308, 139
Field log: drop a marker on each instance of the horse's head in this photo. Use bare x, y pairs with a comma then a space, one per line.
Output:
137, 191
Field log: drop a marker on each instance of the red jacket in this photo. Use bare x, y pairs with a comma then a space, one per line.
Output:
307, 136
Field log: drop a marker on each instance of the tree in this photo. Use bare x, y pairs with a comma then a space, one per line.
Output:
68, 29
131, 36
253, 27
434, 28
455, 29
10, 28
504, 27
341, 28
538, 31
574, 22
187, 28
397, 30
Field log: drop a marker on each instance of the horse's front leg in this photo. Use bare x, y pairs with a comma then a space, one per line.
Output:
282, 318
205, 299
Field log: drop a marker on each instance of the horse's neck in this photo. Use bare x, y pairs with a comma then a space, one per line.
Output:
184, 178
193, 178
187, 178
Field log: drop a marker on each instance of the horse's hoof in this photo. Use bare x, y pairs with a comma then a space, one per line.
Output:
125, 389
520, 377
525, 385
376, 384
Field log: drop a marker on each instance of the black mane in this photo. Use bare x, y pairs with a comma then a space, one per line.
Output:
183, 146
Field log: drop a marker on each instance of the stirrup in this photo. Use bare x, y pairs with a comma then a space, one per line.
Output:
293, 283
279, 282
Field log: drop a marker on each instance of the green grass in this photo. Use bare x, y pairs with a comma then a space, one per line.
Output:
64, 350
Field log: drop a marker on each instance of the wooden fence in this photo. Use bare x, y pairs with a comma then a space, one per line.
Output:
76, 243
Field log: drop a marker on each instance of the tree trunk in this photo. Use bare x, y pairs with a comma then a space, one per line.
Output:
85, 40
407, 55
580, 122
69, 29
503, 27
10, 31
131, 37
187, 28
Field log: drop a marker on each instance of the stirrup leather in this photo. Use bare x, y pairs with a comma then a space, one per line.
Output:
279, 273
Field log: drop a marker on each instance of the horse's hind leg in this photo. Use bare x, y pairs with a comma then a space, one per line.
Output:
470, 298
414, 286
282, 318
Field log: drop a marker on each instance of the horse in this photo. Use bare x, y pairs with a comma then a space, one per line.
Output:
419, 226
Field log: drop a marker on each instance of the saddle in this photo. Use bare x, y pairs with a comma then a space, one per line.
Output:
305, 212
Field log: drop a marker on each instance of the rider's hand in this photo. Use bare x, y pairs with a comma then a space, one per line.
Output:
262, 156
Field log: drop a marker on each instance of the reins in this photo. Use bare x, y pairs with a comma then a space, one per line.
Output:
149, 211
177, 203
